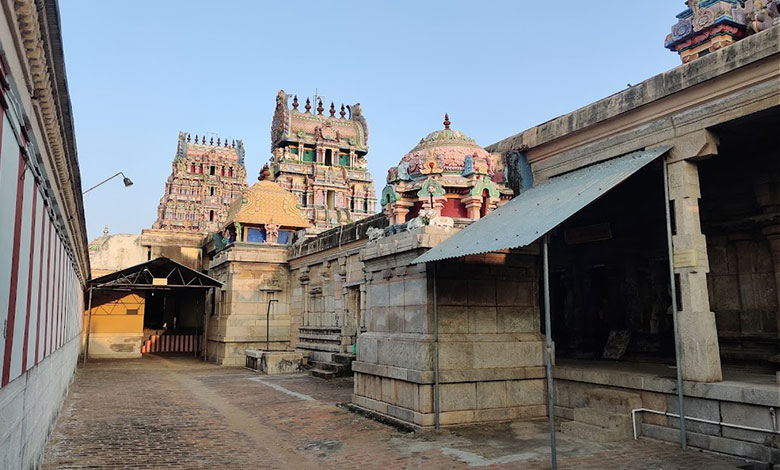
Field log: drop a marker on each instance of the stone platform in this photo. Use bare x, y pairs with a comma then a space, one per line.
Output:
275, 362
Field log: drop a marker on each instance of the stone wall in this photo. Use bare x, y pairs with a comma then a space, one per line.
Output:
30, 404
733, 403
490, 350
252, 276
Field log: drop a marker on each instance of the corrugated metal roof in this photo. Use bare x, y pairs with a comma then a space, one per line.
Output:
535, 212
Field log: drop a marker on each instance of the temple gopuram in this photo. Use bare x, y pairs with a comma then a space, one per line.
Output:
708, 25
206, 177
322, 160
447, 172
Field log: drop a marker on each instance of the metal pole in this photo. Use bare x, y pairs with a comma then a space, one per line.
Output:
435, 351
89, 322
106, 181
548, 352
673, 289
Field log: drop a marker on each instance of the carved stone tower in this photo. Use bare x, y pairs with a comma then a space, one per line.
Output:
205, 179
322, 160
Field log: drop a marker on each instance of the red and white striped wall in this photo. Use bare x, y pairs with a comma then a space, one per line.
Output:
41, 297
171, 343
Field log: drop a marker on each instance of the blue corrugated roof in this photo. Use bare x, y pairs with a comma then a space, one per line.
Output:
533, 213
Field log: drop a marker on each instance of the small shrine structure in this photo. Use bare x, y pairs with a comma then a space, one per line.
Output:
266, 213
449, 173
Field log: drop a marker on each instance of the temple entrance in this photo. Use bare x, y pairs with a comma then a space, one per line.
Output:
609, 275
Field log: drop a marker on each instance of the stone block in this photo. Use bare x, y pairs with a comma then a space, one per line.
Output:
389, 394
745, 415
415, 291
695, 408
449, 418
653, 401
456, 355
407, 395
280, 362
367, 349
482, 319
454, 397
516, 320
416, 318
425, 398
453, 319
482, 292
516, 293
395, 294
526, 392
491, 394
452, 292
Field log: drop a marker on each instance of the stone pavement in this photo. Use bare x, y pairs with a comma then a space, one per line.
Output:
175, 412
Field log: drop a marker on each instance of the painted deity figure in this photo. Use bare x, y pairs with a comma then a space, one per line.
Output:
271, 232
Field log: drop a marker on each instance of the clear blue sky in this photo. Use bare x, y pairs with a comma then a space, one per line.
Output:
141, 71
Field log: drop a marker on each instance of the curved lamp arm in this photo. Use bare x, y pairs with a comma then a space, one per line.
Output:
125, 180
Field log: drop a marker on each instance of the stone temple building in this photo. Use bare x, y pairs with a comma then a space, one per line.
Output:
205, 178
651, 215
322, 160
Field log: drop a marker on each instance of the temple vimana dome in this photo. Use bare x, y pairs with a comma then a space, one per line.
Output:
206, 177
447, 172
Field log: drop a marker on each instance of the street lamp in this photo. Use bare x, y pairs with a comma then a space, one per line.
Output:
125, 180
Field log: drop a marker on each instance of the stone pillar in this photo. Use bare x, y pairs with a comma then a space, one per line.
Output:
700, 355
399, 210
473, 205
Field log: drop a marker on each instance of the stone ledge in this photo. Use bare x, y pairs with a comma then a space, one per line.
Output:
723, 445
407, 418
722, 391
449, 376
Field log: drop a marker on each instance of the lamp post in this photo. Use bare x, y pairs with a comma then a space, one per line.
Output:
125, 180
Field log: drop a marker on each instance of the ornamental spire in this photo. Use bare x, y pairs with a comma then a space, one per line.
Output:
295, 102
332, 109
320, 109
308, 106
446, 121
342, 113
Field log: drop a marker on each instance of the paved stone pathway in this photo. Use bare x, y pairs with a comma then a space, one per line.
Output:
178, 413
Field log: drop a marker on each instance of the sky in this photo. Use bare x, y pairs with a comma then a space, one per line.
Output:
139, 72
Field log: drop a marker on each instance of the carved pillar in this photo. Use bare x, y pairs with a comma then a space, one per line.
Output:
699, 352
438, 203
399, 210
473, 205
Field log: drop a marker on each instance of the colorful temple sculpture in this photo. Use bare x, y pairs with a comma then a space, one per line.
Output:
708, 25
322, 161
206, 178
266, 213
448, 173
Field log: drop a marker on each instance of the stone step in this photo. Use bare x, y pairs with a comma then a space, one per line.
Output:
589, 432
604, 419
320, 329
334, 366
319, 346
320, 356
616, 401
318, 337
342, 358
322, 374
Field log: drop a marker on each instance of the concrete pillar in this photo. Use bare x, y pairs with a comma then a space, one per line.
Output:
700, 354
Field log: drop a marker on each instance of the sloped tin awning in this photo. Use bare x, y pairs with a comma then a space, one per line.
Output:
159, 273
533, 213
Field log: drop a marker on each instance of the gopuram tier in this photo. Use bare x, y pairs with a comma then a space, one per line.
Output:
206, 178
321, 159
